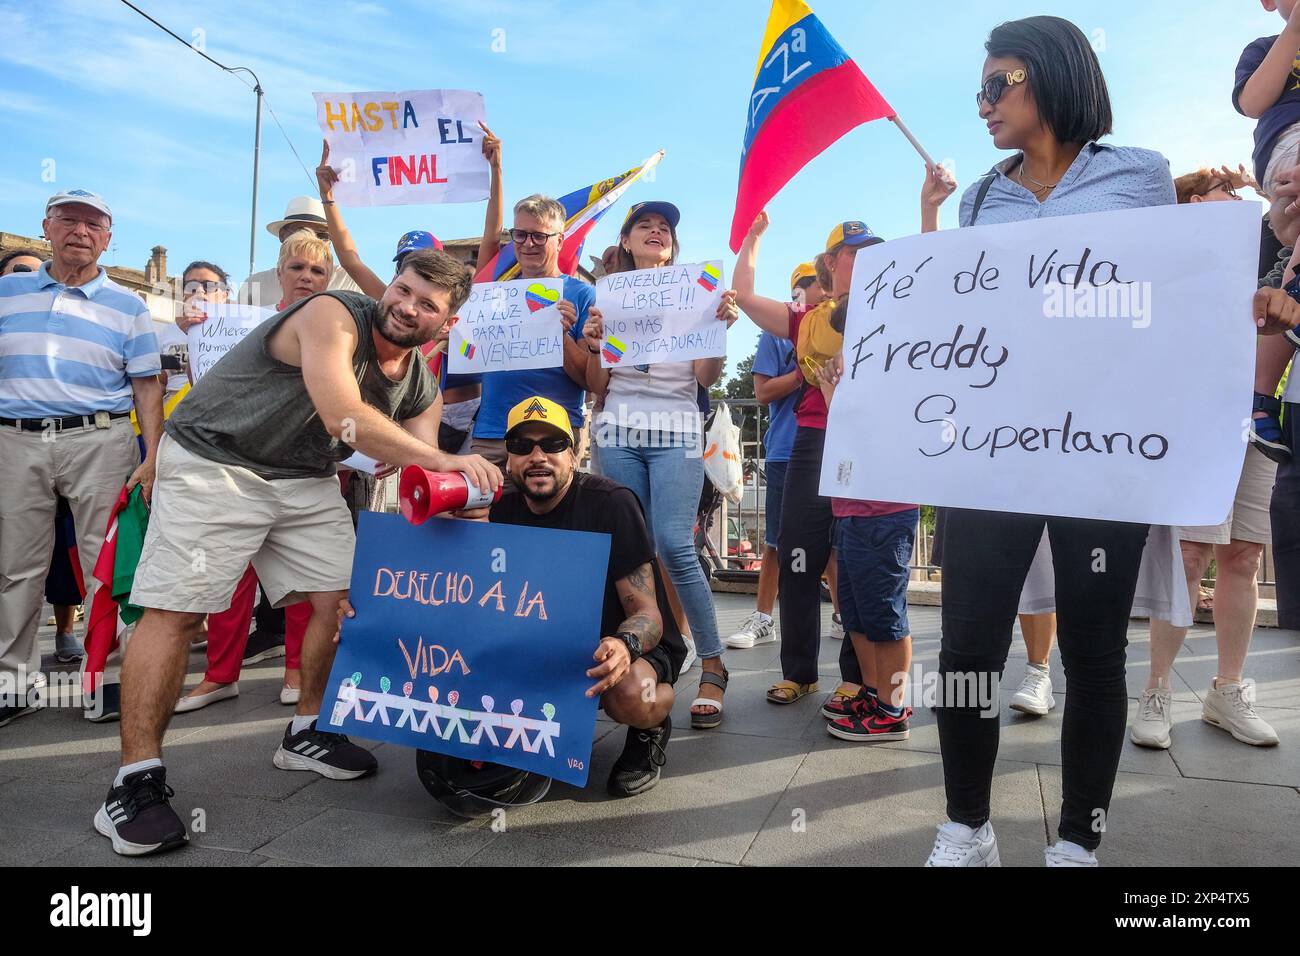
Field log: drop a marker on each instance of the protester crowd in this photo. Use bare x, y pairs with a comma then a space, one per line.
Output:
244, 471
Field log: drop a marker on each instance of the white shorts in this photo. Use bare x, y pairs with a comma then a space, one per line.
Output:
208, 521
1286, 153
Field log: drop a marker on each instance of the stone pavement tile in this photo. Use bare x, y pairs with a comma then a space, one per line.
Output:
20, 846
394, 790
1202, 750
46, 803
98, 851
881, 808
521, 849
235, 822
1025, 739
355, 838
1162, 821
1273, 663
716, 791
746, 709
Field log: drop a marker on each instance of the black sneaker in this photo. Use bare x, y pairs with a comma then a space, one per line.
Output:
638, 767
137, 817
871, 726
104, 705
330, 755
263, 646
11, 713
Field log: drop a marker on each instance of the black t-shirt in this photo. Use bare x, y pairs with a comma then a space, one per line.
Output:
1278, 116
594, 503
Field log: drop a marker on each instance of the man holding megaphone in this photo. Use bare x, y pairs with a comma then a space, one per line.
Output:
246, 472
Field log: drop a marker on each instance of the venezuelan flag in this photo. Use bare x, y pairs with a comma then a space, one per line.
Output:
709, 277
614, 350
807, 94
582, 210
467, 350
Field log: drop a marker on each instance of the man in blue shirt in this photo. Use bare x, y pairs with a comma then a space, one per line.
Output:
777, 382
538, 235
76, 352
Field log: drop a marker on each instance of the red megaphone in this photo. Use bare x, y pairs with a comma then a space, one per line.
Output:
421, 493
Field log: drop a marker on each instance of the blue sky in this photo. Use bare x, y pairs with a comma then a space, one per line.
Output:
101, 99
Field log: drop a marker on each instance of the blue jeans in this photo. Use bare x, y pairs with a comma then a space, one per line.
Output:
676, 476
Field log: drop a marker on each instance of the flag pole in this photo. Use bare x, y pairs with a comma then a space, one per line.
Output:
911, 139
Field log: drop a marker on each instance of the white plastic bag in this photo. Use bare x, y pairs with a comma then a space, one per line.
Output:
722, 455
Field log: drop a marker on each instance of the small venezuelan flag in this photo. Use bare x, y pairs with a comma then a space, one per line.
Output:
467, 350
614, 350
710, 277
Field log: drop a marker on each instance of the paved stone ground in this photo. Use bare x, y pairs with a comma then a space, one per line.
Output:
730, 796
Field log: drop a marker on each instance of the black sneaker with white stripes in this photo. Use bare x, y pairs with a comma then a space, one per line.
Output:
137, 817
330, 755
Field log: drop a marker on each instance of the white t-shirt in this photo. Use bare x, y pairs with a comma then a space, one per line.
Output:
654, 398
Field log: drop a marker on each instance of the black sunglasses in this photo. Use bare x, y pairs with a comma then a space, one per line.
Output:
521, 236
21, 269
194, 286
551, 445
997, 84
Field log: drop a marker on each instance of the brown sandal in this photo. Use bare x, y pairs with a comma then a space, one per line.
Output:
787, 691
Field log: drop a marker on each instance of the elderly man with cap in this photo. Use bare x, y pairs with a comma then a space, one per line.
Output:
640, 652
302, 213
77, 351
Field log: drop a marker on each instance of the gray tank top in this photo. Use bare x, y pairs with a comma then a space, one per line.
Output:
253, 411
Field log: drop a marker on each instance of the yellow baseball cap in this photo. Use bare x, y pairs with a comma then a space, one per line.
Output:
542, 411
855, 232
805, 270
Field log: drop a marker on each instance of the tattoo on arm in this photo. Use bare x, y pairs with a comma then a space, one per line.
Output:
646, 628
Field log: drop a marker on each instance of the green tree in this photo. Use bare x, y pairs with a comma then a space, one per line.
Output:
741, 385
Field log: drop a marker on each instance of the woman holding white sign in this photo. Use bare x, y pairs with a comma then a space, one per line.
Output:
648, 438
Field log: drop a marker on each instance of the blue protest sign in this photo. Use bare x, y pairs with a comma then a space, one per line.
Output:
473, 640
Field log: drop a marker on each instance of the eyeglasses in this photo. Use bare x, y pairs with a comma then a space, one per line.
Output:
998, 84
551, 445
1227, 187
195, 286
97, 228
20, 268
522, 236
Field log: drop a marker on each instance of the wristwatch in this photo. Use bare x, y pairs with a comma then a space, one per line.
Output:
632, 642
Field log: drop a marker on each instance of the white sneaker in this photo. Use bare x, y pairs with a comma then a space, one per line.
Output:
837, 628
690, 656
1230, 707
1065, 853
1153, 722
758, 629
958, 845
1034, 696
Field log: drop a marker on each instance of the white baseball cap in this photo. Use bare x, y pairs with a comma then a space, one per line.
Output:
82, 196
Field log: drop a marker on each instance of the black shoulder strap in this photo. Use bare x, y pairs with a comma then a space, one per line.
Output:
985, 183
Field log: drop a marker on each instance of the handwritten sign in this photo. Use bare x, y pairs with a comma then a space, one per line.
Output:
392, 149
1093, 366
474, 643
508, 326
662, 315
225, 327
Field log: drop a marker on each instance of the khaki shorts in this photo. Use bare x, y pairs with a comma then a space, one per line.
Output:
1249, 519
209, 521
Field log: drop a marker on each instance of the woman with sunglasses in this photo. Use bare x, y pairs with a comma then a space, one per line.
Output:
648, 438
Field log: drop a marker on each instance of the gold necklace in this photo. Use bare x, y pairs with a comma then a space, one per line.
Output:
1042, 187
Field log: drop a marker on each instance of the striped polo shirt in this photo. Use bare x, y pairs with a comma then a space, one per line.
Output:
71, 351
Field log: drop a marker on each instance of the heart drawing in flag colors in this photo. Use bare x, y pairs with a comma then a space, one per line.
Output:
539, 297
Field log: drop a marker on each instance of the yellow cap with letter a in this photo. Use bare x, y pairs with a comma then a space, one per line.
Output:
539, 411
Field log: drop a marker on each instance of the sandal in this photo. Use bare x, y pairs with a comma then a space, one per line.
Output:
709, 721
787, 691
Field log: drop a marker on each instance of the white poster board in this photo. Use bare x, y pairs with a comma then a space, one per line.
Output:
662, 315
508, 326
1094, 366
225, 327
418, 146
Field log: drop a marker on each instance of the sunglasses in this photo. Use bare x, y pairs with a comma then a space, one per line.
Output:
21, 268
522, 236
551, 445
195, 286
998, 84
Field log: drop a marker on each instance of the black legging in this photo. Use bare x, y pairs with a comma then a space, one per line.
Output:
803, 547
1285, 512
985, 559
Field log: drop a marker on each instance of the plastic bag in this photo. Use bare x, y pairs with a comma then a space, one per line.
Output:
722, 455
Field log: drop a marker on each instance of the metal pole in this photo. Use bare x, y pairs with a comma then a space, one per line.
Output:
911, 139
257, 150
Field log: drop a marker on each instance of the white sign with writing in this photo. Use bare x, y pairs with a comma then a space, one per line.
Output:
509, 326
662, 315
225, 327
419, 146
1095, 366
